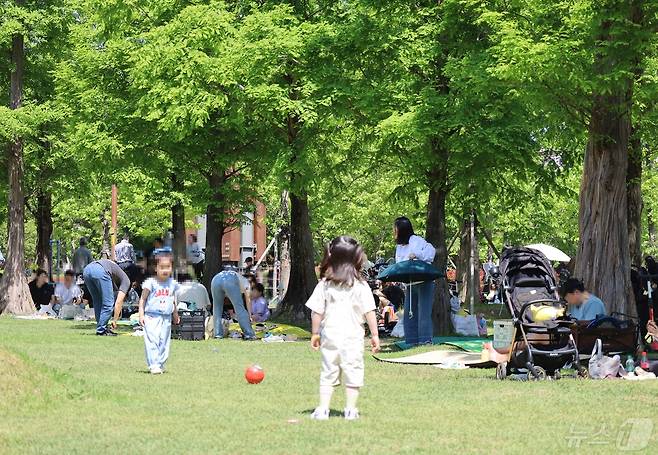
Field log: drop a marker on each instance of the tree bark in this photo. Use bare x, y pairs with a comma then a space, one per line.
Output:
44, 229
215, 227
436, 235
634, 196
178, 229
470, 281
302, 279
603, 260
14, 293
285, 245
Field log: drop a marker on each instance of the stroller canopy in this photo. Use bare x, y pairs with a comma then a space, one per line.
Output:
527, 276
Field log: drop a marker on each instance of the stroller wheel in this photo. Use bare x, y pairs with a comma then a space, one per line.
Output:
501, 371
539, 374
557, 375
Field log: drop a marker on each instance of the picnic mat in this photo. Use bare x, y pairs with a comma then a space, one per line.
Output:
470, 359
469, 344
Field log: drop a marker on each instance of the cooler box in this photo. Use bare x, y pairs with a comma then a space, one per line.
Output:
192, 325
503, 333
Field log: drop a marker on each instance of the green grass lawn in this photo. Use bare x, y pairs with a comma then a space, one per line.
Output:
65, 391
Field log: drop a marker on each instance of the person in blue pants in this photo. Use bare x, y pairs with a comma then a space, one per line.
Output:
228, 284
103, 278
419, 297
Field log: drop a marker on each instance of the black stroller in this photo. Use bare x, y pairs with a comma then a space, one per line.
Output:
542, 343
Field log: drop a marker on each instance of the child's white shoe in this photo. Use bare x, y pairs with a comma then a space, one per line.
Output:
156, 370
351, 414
320, 414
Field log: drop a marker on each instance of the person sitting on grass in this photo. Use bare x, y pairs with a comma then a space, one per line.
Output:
260, 312
67, 293
583, 305
40, 289
340, 304
193, 293
156, 307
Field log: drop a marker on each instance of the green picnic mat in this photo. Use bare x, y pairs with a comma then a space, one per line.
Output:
468, 344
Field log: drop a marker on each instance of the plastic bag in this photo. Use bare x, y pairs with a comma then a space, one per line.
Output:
601, 366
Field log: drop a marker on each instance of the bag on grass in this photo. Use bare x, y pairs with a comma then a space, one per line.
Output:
466, 325
602, 366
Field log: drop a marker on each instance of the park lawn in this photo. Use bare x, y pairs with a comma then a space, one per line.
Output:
65, 391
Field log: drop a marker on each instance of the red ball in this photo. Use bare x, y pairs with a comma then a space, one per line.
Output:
254, 374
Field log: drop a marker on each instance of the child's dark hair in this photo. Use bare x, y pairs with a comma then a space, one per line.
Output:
343, 259
572, 285
260, 288
405, 230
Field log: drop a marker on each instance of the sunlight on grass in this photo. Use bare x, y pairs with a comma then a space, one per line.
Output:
66, 391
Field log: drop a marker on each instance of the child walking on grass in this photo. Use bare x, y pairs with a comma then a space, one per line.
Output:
341, 303
156, 307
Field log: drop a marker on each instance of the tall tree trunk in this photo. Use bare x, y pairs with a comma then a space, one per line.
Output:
178, 228
651, 227
302, 269
44, 229
14, 294
105, 248
470, 279
603, 261
215, 227
634, 197
436, 235
284, 245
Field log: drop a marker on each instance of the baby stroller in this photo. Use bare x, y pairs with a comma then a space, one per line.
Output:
542, 343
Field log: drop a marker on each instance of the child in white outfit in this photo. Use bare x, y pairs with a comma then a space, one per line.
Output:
341, 303
156, 307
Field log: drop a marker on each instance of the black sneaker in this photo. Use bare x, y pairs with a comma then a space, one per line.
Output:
107, 333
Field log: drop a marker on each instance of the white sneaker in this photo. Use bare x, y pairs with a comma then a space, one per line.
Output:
351, 414
320, 414
156, 370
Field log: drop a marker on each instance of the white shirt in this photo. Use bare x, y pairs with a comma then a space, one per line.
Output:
193, 292
161, 298
423, 250
343, 309
65, 296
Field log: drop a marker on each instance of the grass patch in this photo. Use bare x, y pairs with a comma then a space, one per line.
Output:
65, 390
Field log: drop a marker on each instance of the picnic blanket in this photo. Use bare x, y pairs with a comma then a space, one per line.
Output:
468, 344
469, 359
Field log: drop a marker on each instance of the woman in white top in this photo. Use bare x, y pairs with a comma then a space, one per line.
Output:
419, 297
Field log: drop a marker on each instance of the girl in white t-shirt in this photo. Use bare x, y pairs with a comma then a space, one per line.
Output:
341, 303
156, 307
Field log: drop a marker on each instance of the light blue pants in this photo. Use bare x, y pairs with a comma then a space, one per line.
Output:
227, 284
418, 326
99, 284
157, 339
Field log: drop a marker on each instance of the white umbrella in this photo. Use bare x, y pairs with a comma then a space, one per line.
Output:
552, 253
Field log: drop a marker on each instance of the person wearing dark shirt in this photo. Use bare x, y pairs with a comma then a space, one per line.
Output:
40, 289
394, 294
103, 278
